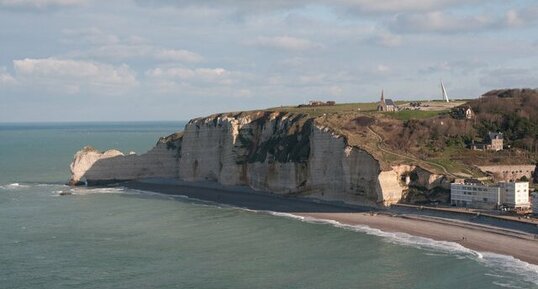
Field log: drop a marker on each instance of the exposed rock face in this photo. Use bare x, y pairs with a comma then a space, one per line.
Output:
277, 152
93, 167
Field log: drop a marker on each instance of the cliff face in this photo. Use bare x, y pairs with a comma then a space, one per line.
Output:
272, 151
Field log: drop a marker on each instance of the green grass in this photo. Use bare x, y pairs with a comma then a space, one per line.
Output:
415, 114
320, 110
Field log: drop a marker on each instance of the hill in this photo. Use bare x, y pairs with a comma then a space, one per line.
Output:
435, 139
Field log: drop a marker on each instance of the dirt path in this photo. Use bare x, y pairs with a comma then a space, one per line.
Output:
380, 147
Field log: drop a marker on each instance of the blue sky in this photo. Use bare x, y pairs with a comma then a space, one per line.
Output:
94, 60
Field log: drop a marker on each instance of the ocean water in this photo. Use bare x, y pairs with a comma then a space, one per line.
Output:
121, 238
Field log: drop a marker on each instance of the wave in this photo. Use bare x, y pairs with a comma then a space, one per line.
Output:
81, 191
14, 186
497, 262
25, 185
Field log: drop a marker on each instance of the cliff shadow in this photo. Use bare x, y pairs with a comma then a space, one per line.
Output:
107, 171
247, 198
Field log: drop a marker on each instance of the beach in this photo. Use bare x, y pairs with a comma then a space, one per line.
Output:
504, 239
471, 237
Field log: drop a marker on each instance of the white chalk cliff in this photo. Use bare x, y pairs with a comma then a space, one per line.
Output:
270, 151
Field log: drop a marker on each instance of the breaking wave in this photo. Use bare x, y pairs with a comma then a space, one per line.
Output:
14, 186
497, 262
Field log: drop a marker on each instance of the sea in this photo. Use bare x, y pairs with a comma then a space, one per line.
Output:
122, 238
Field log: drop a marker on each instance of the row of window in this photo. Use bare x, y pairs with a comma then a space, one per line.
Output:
474, 189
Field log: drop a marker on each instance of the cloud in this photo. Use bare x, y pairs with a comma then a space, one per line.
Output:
349, 6
73, 75
5, 78
196, 76
198, 82
110, 46
92, 36
285, 43
439, 21
386, 39
178, 55
447, 22
460, 67
382, 69
40, 4
510, 77
393, 6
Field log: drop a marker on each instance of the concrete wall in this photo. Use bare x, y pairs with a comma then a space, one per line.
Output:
509, 173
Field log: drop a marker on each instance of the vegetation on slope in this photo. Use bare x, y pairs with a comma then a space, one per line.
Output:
430, 138
514, 112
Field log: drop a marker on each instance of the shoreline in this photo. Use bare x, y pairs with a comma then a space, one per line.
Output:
471, 238
478, 237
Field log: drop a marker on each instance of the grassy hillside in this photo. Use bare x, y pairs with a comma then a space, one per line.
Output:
432, 137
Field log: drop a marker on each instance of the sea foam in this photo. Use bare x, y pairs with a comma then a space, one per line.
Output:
14, 186
497, 262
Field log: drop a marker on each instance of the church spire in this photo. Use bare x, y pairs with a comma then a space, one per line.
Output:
382, 96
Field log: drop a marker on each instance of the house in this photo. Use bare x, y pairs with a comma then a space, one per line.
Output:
469, 113
493, 142
476, 195
318, 103
462, 113
496, 141
386, 104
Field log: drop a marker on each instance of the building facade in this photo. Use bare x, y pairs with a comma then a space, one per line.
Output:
386, 104
493, 142
534, 203
496, 140
515, 194
475, 195
472, 195
469, 114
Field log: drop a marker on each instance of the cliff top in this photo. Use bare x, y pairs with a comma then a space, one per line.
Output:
429, 136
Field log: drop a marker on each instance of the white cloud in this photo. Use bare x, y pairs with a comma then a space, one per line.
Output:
438, 21
285, 43
110, 46
197, 76
73, 75
442, 21
399, 6
510, 77
6, 78
386, 39
199, 82
460, 67
40, 3
92, 36
357, 6
114, 51
178, 55
382, 69
513, 18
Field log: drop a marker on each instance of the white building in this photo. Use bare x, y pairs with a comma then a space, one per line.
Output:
513, 195
475, 195
534, 203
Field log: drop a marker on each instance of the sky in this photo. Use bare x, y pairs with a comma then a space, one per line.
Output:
123, 60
